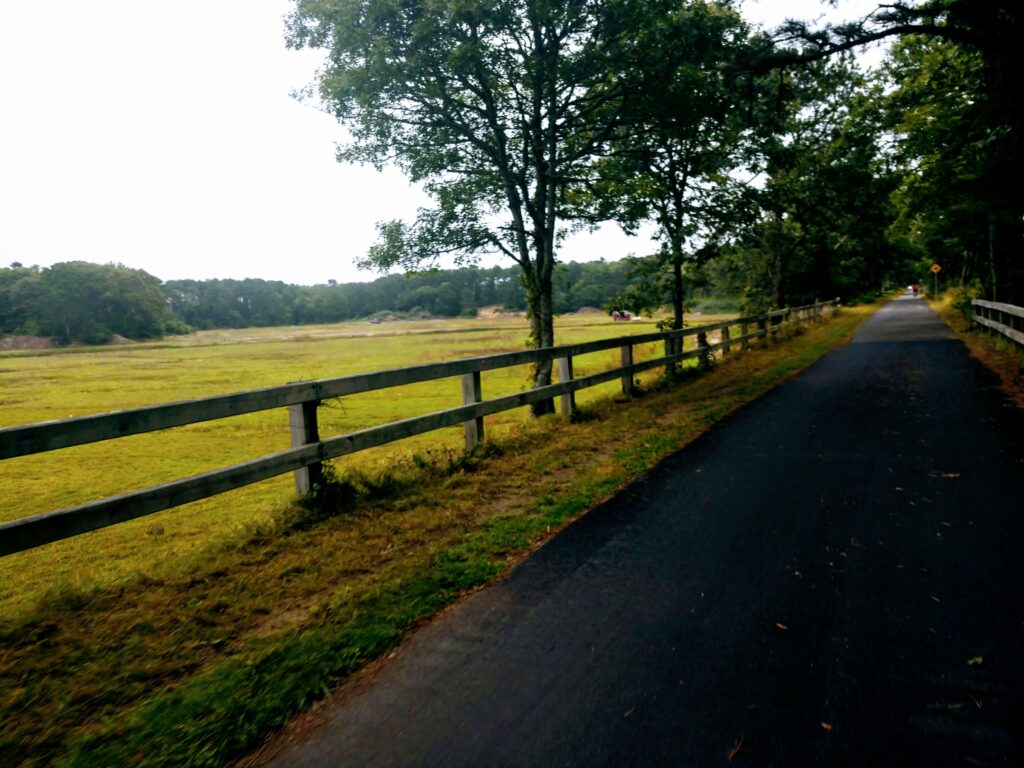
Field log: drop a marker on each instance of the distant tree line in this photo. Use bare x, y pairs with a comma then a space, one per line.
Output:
79, 301
438, 293
84, 302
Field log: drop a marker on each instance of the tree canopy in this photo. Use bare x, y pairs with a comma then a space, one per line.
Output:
80, 301
683, 135
90, 303
496, 106
958, 121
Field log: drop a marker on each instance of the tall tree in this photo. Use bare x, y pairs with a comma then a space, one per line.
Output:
826, 199
981, 39
959, 184
496, 106
685, 133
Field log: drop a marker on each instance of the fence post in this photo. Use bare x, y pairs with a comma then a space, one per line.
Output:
472, 393
744, 329
627, 377
762, 328
704, 354
673, 346
304, 430
726, 346
568, 400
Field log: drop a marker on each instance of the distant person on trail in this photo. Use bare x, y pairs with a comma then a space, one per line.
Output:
917, 289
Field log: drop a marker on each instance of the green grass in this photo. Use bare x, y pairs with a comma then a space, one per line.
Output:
60, 385
193, 664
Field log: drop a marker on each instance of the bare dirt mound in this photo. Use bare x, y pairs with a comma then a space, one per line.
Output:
27, 342
496, 310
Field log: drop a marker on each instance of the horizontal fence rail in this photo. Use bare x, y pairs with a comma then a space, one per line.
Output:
1005, 319
309, 451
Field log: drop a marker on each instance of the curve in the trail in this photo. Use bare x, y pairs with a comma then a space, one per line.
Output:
831, 576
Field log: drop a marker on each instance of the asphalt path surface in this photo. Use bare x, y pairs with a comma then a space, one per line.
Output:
831, 576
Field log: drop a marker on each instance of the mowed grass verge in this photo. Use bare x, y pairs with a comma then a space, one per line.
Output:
194, 666
997, 352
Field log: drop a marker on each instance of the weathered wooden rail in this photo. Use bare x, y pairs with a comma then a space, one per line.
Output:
1005, 319
309, 451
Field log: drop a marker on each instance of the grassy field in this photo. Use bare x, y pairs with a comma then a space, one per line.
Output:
58, 384
184, 638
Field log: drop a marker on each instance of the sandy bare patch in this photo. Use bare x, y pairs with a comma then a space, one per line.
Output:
27, 342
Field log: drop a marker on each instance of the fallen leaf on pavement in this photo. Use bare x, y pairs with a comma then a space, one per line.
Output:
826, 726
975, 661
781, 626
735, 749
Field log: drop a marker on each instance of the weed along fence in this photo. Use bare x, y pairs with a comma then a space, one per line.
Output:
1005, 319
308, 450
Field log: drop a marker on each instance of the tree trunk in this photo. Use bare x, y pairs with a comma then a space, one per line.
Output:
777, 280
677, 286
992, 254
542, 331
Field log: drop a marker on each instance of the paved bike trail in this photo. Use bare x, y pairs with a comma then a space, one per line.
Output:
831, 576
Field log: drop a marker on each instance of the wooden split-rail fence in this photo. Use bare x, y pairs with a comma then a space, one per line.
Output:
1005, 319
308, 452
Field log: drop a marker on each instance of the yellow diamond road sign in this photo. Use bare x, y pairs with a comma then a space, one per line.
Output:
936, 268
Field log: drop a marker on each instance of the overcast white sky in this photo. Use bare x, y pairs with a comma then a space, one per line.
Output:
162, 136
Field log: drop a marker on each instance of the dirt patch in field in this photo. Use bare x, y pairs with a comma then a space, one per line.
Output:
27, 342
496, 310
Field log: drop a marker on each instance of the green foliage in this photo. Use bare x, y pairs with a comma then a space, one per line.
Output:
953, 104
722, 305
825, 205
129, 303
497, 108
960, 200
459, 292
81, 302
961, 296
649, 287
685, 133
